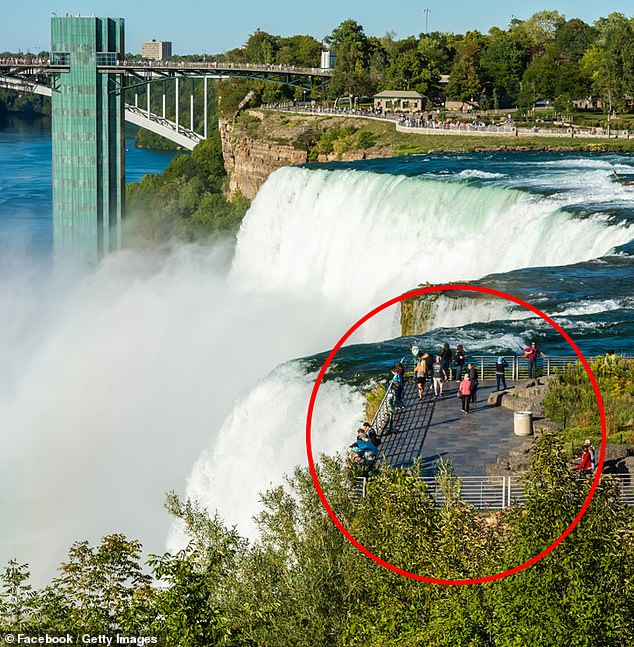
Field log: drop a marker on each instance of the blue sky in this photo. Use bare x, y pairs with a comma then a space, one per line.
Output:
199, 26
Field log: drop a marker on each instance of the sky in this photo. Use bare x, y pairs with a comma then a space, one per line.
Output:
196, 26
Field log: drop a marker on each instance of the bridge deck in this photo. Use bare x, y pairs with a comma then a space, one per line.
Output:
436, 428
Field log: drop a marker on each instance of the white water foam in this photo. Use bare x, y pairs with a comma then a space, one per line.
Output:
477, 173
449, 312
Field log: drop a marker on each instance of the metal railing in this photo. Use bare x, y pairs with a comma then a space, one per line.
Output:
517, 365
383, 417
492, 492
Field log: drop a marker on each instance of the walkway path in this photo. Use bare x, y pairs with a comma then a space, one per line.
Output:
437, 428
506, 130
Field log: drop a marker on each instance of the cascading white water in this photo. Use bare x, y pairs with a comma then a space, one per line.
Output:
451, 312
360, 237
113, 385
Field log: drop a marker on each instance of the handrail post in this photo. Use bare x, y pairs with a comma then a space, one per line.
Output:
176, 106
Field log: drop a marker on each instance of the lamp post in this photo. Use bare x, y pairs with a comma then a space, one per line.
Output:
426, 12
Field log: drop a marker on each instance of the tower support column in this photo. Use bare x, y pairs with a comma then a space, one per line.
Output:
88, 137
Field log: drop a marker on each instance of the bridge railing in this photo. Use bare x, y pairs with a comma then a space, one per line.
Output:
493, 492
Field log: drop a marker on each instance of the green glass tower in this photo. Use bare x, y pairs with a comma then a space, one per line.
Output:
88, 137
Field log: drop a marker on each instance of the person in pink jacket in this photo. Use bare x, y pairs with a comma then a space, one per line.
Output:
465, 393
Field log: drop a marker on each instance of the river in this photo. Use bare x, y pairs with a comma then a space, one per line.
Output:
191, 370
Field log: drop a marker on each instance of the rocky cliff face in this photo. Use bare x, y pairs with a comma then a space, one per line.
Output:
256, 143
249, 161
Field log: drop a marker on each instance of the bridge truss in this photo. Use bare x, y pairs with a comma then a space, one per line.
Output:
42, 78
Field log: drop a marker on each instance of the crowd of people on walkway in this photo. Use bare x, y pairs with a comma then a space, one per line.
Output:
24, 60
450, 366
432, 372
446, 366
438, 120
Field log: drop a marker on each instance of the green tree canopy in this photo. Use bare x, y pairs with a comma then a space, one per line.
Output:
465, 81
502, 66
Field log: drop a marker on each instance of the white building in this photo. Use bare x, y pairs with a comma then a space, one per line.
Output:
328, 60
157, 50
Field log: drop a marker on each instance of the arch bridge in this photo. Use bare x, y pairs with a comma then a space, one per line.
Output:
87, 79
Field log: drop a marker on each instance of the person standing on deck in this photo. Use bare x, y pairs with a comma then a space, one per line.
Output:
464, 389
445, 359
439, 376
459, 360
531, 355
473, 376
420, 373
500, 378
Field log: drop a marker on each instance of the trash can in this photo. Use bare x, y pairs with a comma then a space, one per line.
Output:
523, 423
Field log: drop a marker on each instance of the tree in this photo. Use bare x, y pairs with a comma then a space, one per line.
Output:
17, 597
304, 51
610, 60
540, 79
409, 70
352, 48
502, 65
538, 31
104, 589
261, 47
465, 80
573, 38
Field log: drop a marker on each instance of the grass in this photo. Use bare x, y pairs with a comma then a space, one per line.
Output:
382, 138
373, 400
571, 401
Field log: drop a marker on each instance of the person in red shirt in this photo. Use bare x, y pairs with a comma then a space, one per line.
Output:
531, 354
586, 460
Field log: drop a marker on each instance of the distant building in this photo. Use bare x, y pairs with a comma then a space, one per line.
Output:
399, 101
157, 50
328, 59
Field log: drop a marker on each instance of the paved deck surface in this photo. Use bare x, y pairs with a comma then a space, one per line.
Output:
437, 429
